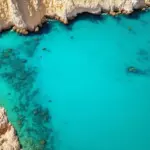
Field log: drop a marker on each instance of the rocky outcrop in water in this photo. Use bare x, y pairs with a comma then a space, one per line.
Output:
27, 14
8, 138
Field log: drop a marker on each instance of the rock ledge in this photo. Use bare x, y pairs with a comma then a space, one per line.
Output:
8, 138
28, 15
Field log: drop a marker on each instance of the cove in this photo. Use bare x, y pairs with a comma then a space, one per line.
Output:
72, 88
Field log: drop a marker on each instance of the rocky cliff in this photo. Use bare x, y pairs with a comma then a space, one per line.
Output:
8, 139
27, 14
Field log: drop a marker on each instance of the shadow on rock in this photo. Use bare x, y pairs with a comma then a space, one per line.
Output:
136, 15
86, 16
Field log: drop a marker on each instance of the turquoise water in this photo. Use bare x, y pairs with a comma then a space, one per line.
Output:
69, 87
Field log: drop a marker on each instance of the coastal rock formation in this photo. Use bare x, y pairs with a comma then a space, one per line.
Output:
8, 139
27, 14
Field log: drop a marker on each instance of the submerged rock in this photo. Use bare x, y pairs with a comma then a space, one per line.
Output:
130, 28
135, 70
8, 138
42, 142
32, 118
132, 70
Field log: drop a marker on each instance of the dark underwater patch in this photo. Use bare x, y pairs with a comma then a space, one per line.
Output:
117, 18
94, 18
29, 46
135, 71
143, 56
45, 29
33, 122
136, 15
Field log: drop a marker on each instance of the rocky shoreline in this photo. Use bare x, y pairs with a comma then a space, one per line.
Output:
8, 138
28, 15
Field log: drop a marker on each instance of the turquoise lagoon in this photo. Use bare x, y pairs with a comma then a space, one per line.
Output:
69, 88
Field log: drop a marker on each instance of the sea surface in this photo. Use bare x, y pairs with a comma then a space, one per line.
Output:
82, 86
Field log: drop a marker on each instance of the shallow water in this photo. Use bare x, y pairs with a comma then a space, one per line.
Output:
69, 87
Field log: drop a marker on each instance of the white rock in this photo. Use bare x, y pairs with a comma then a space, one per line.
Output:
8, 138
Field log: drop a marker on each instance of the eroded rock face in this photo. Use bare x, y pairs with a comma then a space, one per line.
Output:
8, 139
29, 13
138, 4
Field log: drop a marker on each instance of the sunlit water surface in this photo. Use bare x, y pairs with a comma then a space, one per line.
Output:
69, 87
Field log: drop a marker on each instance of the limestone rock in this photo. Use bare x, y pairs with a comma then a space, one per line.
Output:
36, 29
28, 14
8, 138
147, 2
138, 4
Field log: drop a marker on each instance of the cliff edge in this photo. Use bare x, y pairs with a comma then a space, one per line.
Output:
8, 139
28, 14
